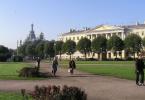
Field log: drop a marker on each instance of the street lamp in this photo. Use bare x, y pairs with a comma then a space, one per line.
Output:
54, 49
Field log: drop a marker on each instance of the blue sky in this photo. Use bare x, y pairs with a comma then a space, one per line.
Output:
55, 16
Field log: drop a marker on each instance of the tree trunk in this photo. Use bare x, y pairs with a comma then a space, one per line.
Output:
116, 54
70, 57
93, 55
85, 55
134, 55
60, 55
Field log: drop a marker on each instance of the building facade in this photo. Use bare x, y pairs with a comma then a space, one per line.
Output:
105, 30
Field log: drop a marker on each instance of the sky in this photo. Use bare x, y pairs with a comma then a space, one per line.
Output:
57, 16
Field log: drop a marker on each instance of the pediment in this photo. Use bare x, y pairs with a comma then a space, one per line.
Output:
106, 27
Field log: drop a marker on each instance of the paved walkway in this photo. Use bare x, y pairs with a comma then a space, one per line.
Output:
97, 87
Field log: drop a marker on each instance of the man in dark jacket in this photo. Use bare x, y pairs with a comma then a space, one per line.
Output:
72, 66
139, 70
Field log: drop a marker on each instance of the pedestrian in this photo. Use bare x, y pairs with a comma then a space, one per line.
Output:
72, 66
38, 62
54, 65
139, 70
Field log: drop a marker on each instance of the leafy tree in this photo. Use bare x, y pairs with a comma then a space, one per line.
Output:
22, 50
49, 49
143, 41
4, 53
40, 49
69, 47
30, 49
84, 46
58, 47
133, 43
115, 44
99, 44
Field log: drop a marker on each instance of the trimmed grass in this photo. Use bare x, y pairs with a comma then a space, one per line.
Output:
9, 71
11, 96
120, 69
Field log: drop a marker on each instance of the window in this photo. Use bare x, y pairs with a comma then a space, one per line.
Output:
142, 32
73, 38
114, 54
77, 38
120, 53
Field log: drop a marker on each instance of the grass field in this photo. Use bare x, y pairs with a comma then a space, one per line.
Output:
120, 69
11, 96
10, 70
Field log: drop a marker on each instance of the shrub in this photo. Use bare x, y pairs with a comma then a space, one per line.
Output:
56, 93
28, 72
17, 58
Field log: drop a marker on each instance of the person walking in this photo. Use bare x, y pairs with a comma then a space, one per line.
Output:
72, 66
38, 63
54, 66
139, 70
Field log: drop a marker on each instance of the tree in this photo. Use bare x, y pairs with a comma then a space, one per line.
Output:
4, 53
40, 49
49, 49
115, 44
99, 44
143, 41
84, 46
133, 43
58, 48
69, 47
30, 49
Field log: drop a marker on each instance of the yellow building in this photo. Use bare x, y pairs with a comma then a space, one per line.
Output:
105, 30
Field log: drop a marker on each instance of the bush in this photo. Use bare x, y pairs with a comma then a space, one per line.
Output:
17, 58
56, 93
28, 72
118, 59
129, 59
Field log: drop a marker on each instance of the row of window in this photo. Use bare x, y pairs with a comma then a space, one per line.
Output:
92, 36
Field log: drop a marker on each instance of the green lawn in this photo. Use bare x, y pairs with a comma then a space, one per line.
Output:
11, 96
9, 70
120, 69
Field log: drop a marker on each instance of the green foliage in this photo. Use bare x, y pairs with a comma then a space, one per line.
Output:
84, 46
58, 47
133, 43
30, 49
56, 93
143, 41
69, 47
17, 58
4, 53
40, 49
115, 43
99, 44
49, 48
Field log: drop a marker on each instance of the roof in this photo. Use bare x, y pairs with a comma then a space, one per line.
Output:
101, 28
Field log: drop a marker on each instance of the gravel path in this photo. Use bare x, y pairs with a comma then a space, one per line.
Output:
97, 87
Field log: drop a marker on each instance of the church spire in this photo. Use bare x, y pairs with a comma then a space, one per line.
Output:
32, 25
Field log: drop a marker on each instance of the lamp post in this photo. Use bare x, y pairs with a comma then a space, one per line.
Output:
54, 49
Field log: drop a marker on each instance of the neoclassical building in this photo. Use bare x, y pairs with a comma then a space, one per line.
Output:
106, 30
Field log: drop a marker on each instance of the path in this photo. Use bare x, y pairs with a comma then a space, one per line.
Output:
97, 87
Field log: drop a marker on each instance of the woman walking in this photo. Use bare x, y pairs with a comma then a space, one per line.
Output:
54, 66
72, 66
